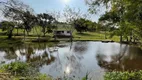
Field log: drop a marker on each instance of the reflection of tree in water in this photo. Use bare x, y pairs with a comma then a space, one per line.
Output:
10, 53
73, 62
70, 65
40, 60
117, 60
80, 47
37, 55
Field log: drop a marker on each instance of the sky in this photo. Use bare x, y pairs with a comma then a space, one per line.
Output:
41, 6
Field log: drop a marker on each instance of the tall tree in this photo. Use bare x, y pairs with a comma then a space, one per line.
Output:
45, 21
8, 27
72, 14
17, 11
80, 25
83, 25
128, 11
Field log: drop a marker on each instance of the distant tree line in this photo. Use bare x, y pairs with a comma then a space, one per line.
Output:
21, 16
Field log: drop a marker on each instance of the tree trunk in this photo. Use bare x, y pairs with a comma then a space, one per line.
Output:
105, 35
127, 39
131, 38
131, 34
17, 32
37, 33
27, 32
24, 34
71, 36
120, 38
10, 34
44, 34
134, 40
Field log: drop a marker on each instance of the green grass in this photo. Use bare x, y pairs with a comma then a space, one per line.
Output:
94, 36
85, 36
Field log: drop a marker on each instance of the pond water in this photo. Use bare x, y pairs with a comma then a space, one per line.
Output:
76, 59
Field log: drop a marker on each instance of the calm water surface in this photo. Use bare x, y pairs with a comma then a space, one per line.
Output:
76, 59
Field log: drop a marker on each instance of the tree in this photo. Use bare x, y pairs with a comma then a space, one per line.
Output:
45, 21
83, 25
57, 16
17, 11
29, 20
80, 25
129, 11
111, 19
8, 26
72, 14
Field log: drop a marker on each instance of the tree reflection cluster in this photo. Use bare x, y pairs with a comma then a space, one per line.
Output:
35, 54
122, 61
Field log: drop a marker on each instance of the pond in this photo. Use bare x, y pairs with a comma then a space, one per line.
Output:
76, 59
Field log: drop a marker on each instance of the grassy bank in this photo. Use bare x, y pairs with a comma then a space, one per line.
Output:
94, 36
33, 35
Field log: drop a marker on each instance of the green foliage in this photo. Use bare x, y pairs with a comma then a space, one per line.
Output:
43, 77
21, 70
16, 68
85, 78
110, 16
8, 27
121, 13
29, 20
45, 21
123, 75
83, 25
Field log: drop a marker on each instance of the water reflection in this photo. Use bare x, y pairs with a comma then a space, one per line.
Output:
80, 47
67, 62
77, 58
126, 59
37, 55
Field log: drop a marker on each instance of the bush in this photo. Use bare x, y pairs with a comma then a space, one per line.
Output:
22, 70
38, 77
43, 77
16, 68
135, 75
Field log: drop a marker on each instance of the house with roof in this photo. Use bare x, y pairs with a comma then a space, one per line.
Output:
62, 34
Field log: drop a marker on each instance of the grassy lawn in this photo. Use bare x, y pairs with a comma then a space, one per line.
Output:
94, 36
85, 36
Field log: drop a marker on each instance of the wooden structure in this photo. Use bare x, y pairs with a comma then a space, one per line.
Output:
62, 34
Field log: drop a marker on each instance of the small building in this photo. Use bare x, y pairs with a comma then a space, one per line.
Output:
63, 34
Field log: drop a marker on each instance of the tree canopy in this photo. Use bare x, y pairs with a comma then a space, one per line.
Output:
126, 13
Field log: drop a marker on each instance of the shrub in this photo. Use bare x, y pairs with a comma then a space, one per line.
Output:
134, 75
16, 68
23, 71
